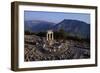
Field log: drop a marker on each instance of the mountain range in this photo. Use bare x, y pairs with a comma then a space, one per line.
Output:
74, 27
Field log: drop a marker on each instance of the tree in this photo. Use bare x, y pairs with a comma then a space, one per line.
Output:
62, 33
27, 33
41, 34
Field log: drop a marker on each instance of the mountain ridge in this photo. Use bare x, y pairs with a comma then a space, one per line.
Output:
75, 27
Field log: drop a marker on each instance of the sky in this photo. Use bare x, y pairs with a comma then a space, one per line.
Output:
55, 17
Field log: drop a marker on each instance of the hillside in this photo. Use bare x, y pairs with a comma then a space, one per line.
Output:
73, 27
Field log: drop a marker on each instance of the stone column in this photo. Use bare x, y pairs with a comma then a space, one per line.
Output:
47, 36
52, 35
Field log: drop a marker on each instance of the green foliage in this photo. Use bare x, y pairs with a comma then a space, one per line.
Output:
61, 34
41, 34
29, 33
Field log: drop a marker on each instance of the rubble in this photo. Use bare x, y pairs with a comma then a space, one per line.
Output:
38, 49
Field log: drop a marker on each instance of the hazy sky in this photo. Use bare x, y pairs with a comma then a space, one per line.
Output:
55, 17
